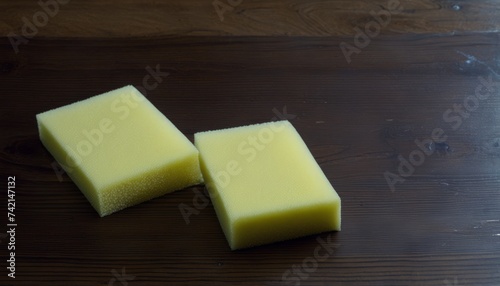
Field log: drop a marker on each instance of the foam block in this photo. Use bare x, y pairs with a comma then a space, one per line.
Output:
265, 184
119, 149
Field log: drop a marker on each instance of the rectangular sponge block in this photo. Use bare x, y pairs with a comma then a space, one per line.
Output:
119, 149
265, 184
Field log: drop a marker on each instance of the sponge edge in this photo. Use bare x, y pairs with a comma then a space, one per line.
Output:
119, 149
265, 184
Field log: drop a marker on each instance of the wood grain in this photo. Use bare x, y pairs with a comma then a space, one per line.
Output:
122, 19
439, 227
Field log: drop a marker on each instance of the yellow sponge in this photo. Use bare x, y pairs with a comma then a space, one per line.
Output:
119, 149
265, 185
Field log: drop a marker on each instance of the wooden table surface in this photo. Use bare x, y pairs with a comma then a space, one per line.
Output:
399, 102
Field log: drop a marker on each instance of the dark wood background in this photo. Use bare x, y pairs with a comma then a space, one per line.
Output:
441, 226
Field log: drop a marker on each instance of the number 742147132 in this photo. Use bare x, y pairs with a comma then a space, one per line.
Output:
11, 201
